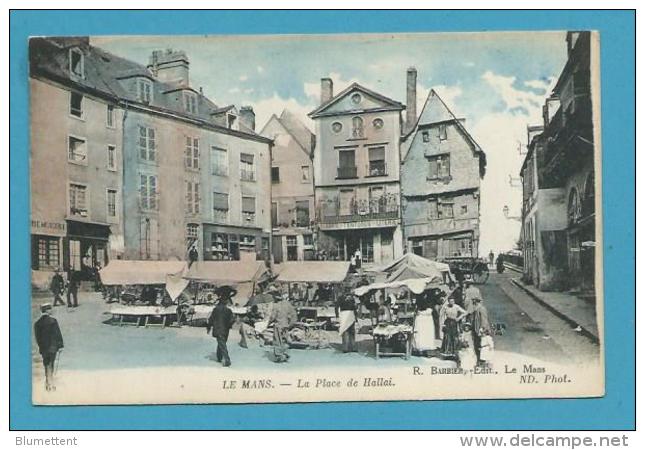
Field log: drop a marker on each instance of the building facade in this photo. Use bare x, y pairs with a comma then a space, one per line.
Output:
563, 160
440, 179
76, 162
292, 188
152, 166
356, 172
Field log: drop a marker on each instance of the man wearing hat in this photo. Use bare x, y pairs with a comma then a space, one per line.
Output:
50, 342
480, 325
221, 321
283, 315
57, 287
470, 294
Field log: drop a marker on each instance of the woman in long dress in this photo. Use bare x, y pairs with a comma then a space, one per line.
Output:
453, 314
424, 330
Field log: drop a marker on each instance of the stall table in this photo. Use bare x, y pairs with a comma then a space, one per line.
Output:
383, 334
143, 313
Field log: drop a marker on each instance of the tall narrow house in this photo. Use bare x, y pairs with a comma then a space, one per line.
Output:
356, 173
440, 179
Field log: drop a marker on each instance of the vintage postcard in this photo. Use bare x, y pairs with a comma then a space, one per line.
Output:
313, 218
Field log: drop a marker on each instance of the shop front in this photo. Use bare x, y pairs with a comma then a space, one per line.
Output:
228, 243
86, 248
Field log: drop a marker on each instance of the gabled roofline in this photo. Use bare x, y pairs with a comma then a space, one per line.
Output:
394, 105
309, 154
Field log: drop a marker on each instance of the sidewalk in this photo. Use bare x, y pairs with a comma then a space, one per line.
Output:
568, 307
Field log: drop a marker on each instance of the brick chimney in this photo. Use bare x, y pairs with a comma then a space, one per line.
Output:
247, 117
326, 90
170, 66
411, 98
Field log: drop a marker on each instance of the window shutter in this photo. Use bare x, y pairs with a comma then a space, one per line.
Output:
433, 168
377, 154
446, 166
432, 209
152, 192
220, 201
248, 204
247, 158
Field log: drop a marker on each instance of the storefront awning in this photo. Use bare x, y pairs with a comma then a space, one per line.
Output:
121, 272
225, 272
312, 271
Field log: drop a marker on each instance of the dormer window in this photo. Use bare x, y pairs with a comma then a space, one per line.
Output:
144, 90
76, 63
230, 120
190, 102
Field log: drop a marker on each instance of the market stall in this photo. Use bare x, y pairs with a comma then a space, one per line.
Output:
411, 266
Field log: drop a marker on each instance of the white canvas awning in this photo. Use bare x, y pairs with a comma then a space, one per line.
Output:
225, 272
416, 285
122, 272
312, 271
414, 266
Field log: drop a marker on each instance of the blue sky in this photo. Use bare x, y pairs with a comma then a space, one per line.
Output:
496, 81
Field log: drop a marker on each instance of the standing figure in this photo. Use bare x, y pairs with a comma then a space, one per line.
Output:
346, 313
57, 287
491, 259
193, 254
221, 321
486, 349
50, 342
480, 325
73, 283
453, 314
470, 294
283, 315
424, 329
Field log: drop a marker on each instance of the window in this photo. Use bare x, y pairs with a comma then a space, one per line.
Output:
357, 128
347, 202
111, 203
148, 192
111, 157
308, 240
192, 153
220, 206
292, 248
377, 123
147, 146
46, 250
430, 248
76, 104
417, 247
347, 164
247, 167
464, 210
78, 200
274, 214
460, 247
302, 213
446, 211
230, 119
275, 175
76, 63
426, 136
219, 161
377, 199
336, 127
305, 174
144, 90
192, 232
439, 167
190, 102
433, 211
76, 150
442, 132
377, 161
110, 116
192, 197
248, 209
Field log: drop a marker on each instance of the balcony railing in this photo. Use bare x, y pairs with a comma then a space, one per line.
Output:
383, 208
377, 169
347, 172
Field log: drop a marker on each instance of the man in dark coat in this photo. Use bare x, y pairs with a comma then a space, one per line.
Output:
50, 342
221, 321
57, 287
480, 325
73, 283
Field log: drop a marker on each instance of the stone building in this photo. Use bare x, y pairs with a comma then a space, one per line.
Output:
562, 227
292, 187
440, 178
356, 173
185, 171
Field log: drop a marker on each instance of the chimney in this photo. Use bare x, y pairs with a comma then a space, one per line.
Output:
411, 100
326, 90
170, 66
247, 117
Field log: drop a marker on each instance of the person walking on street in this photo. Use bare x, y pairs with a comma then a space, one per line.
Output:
57, 287
470, 294
480, 325
346, 312
220, 322
283, 315
72, 289
491, 259
50, 342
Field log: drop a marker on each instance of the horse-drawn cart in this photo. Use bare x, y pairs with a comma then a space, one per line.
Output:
473, 269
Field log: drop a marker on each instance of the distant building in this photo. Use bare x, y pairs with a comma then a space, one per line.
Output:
559, 219
356, 173
185, 172
440, 180
292, 187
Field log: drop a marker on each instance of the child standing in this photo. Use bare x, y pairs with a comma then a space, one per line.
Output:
487, 348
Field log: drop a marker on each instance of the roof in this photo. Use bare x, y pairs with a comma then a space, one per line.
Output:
109, 76
298, 130
414, 266
435, 111
124, 272
389, 103
225, 272
313, 271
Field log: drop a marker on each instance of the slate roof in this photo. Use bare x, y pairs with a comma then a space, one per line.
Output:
298, 130
107, 75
